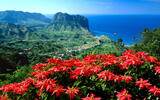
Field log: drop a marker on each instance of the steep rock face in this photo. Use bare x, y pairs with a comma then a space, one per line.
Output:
23, 18
66, 22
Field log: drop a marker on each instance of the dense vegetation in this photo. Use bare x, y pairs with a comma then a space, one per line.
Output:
65, 37
11, 32
130, 76
10, 59
150, 42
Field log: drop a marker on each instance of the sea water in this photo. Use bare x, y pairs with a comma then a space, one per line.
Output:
127, 27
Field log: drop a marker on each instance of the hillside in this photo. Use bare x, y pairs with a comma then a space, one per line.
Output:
65, 37
23, 18
150, 42
12, 32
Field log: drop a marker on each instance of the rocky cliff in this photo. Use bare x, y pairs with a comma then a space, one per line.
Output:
66, 22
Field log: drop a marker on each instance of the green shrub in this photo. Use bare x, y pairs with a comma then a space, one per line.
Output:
130, 76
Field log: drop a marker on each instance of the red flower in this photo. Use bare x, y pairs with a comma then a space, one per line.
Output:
117, 78
129, 59
141, 55
58, 90
127, 78
4, 98
47, 84
94, 68
151, 59
54, 60
92, 97
106, 75
154, 90
72, 91
143, 83
90, 59
133, 61
85, 70
108, 60
39, 66
123, 95
17, 88
40, 74
36, 99
74, 77
122, 66
78, 71
127, 52
157, 69
53, 69
158, 62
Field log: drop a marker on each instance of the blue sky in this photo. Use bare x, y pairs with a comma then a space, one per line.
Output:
83, 6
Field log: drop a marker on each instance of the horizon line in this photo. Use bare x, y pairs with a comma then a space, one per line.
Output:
82, 13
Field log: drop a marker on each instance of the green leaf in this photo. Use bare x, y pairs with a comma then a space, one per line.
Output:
103, 87
76, 83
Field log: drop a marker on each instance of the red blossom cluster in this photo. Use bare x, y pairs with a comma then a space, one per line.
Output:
153, 89
18, 88
98, 65
143, 83
123, 95
157, 69
4, 98
46, 84
92, 97
108, 75
72, 91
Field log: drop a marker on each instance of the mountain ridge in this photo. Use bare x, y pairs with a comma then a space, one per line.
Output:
75, 25
23, 18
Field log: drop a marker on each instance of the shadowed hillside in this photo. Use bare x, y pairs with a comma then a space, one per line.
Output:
23, 18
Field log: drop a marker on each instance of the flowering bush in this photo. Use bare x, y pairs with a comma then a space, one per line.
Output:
95, 77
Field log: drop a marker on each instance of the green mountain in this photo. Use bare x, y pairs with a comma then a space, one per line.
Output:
66, 22
65, 37
23, 18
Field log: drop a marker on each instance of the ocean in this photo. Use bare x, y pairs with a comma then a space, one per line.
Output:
127, 27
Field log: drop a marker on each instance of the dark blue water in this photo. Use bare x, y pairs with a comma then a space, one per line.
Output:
127, 27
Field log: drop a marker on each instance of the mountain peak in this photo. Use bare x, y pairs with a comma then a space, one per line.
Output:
66, 22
